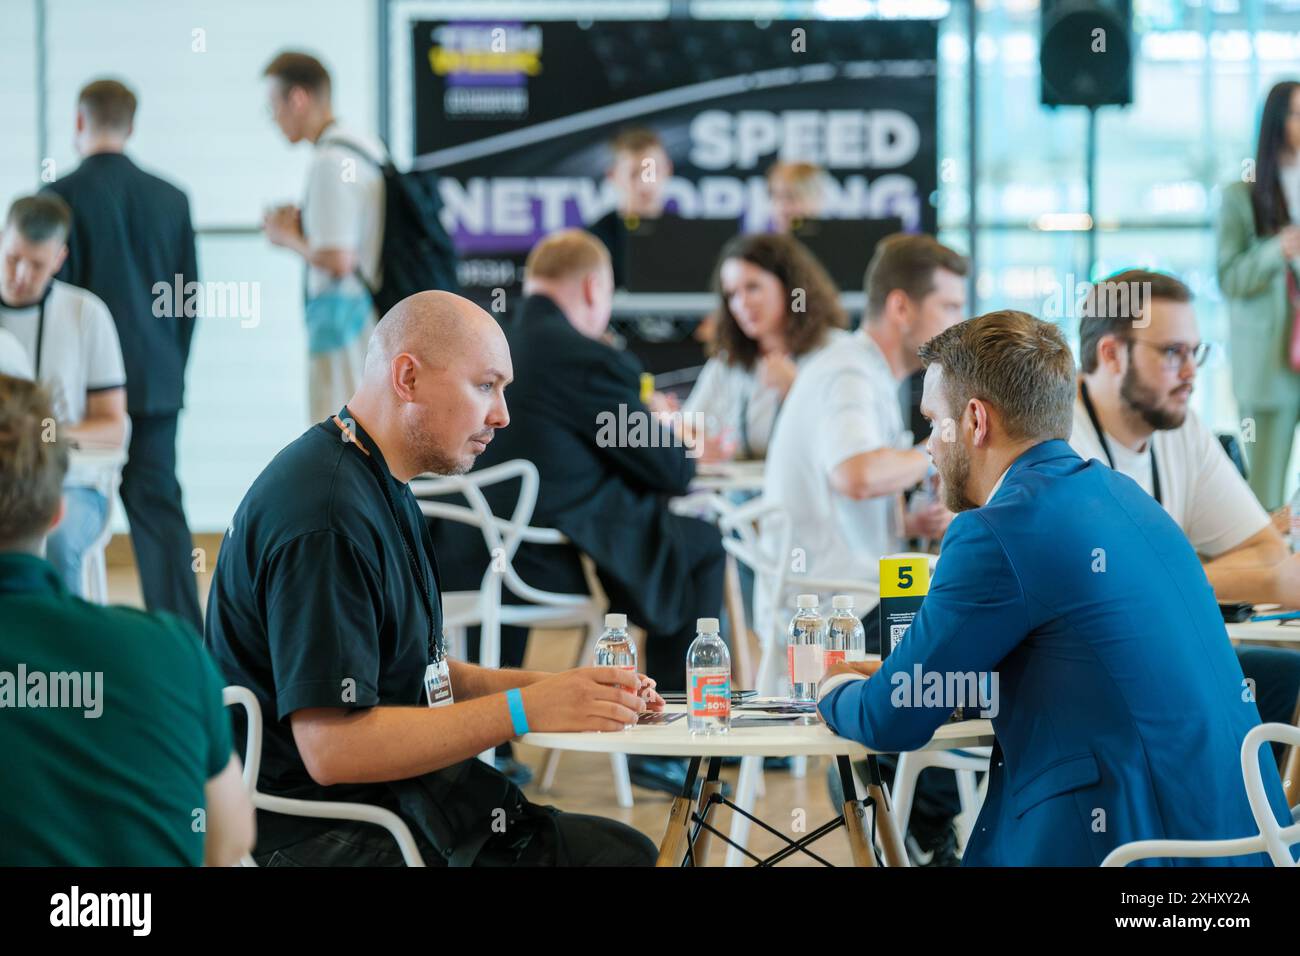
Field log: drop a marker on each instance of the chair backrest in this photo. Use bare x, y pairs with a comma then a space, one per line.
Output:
236, 696
501, 536
758, 534
1273, 838
1277, 838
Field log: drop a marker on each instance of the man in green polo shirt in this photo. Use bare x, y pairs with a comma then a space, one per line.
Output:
114, 716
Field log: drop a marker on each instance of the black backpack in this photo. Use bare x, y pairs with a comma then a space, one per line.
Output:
417, 254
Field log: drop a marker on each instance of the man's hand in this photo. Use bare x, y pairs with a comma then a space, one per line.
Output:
1288, 581
648, 693
861, 668
586, 698
929, 523
283, 226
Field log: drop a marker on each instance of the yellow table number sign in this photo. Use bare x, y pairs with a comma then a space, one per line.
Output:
904, 582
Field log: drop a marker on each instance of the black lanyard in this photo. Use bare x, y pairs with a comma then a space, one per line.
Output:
1105, 446
40, 330
436, 652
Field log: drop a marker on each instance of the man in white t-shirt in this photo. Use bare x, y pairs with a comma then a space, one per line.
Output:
14, 360
71, 344
840, 455
338, 231
1140, 349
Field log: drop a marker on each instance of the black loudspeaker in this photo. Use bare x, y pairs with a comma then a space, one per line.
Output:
1085, 53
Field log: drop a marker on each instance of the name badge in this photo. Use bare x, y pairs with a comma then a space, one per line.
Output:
437, 684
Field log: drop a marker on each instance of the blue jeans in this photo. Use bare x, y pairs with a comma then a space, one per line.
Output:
83, 520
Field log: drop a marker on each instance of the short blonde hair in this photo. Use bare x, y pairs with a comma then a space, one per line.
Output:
567, 254
805, 178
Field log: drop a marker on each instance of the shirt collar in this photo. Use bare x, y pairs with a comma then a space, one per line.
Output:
998, 483
361, 438
28, 573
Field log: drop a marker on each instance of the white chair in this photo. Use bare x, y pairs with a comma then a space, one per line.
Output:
757, 533
94, 568
1273, 839
545, 610
964, 763
235, 696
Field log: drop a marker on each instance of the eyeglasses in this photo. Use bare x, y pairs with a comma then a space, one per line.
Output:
1175, 354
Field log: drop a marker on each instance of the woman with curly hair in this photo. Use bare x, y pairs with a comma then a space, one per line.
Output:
777, 307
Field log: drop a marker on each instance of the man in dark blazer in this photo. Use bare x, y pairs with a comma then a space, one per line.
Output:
603, 486
132, 245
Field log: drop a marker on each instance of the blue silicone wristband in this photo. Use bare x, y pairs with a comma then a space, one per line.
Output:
515, 701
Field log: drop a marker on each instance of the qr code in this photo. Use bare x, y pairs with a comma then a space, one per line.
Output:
896, 632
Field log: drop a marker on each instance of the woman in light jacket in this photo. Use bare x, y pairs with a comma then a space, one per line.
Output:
1258, 255
777, 307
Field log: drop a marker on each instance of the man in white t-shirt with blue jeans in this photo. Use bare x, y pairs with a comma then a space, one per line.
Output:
1139, 350
338, 231
72, 349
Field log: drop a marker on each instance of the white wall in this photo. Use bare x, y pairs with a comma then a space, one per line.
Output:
202, 123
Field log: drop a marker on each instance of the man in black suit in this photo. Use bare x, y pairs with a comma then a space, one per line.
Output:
131, 232
605, 487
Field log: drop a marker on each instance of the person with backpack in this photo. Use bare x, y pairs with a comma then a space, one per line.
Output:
338, 230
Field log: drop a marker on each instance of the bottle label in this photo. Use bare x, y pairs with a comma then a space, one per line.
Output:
805, 663
710, 695
833, 658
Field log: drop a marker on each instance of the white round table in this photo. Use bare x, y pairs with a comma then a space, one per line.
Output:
778, 740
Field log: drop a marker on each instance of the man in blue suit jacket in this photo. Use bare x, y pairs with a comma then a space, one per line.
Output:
1119, 706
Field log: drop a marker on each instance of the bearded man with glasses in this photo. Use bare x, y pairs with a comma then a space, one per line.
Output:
1139, 351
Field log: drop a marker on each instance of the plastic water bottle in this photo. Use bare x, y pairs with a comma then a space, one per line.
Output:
806, 648
708, 681
845, 639
1295, 522
615, 648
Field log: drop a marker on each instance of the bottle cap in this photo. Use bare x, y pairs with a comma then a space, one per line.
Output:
618, 621
707, 625
842, 602
807, 600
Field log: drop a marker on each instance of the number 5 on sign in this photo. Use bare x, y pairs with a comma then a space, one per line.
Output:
904, 582
904, 577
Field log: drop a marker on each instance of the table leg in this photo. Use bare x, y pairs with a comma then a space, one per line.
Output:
677, 836
864, 854
891, 842
1291, 766
712, 785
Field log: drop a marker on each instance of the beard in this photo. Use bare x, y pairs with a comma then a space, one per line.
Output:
419, 438
1141, 398
954, 473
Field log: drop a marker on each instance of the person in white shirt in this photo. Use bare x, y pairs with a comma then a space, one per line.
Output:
778, 308
14, 361
840, 455
71, 345
338, 231
1140, 349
